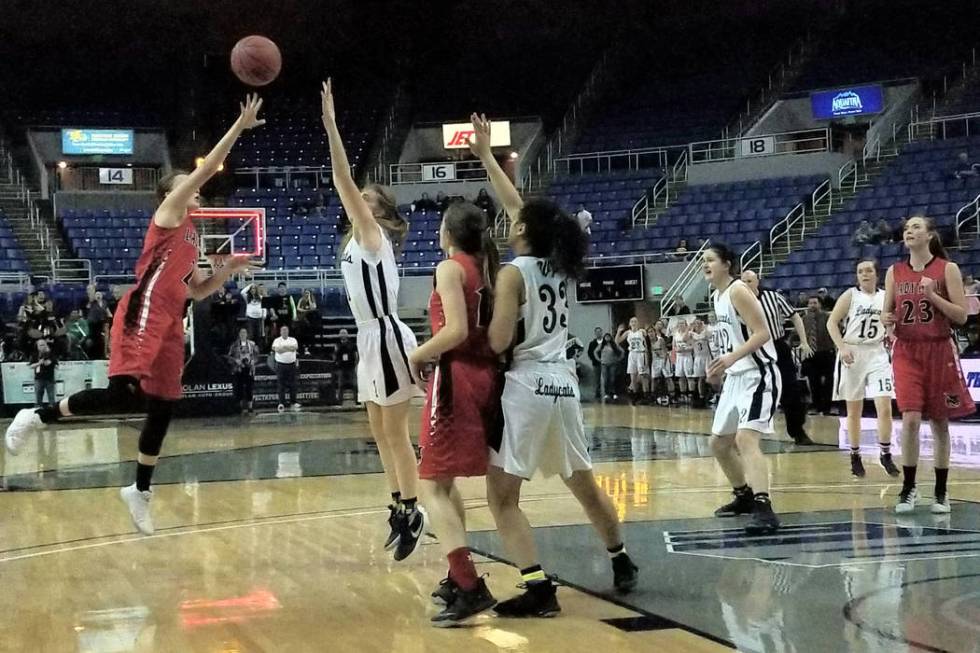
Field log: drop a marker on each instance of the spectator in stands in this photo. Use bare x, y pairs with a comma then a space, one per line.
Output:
442, 202
243, 355
973, 343
681, 247
255, 311
224, 313
307, 320
285, 349
801, 300
885, 233
584, 219
865, 234
819, 368
424, 204
345, 357
827, 300
485, 202
283, 308
965, 168
98, 318
971, 288
680, 307
593, 353
43, 361
77, 332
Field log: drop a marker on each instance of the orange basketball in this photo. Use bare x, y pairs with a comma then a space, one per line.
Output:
256, 60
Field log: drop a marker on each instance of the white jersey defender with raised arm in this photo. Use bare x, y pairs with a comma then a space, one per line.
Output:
752, 385
543, 426
384, 342
636, 358
870, 375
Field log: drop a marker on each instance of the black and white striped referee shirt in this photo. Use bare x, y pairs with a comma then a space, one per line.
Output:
777, 310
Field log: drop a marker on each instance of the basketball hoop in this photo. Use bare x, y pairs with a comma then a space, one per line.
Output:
228, 232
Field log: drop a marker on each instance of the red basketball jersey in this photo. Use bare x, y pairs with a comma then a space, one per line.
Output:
477, 309
169, 257
916, 318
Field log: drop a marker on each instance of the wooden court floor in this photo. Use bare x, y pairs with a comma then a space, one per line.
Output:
269, 534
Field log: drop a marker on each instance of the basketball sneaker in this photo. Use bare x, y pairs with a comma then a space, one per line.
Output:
906, 500
888, 464
625, 573
941, 506
412, 528
742, 505
443, 595
464, 605
538, 600
857, 467
26, 423
139, 507
394, 523
764, 521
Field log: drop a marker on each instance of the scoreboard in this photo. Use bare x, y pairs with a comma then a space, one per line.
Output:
616, 283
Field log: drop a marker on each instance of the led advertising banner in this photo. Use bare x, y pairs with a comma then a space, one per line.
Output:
96, 141
843, 102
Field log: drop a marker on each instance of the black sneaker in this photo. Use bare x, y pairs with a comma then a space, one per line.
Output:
803, 440
465, 605
443, 595
742, 505
412, 528
394, 523
764, 521
886, 461
625, 573
857, 467
538, 600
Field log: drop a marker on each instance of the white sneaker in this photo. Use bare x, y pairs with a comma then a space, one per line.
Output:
296, 408
906, 501
139, 507
26, 423
941, 506
281, 409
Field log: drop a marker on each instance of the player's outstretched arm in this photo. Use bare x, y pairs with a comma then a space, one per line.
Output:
502, 185
171, 211
367, 233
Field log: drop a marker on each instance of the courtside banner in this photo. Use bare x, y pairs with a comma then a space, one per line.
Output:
971, 372
455, 135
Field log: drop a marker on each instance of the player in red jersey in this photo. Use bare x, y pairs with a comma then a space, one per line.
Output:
462, 398
147, 338
923, 298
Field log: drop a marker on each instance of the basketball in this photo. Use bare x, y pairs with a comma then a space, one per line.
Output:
256, 60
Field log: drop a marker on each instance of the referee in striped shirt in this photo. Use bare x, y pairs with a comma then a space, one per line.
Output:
777, 310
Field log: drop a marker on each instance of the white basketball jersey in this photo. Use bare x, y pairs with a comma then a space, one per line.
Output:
543, 327
700, 342
732, 334
637, 341
659, 347
683, 344
371, 279
863, 325
712, 331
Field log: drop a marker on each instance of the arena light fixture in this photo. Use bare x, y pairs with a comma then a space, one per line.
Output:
62, 165
513, 155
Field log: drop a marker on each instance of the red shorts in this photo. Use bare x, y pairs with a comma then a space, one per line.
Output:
461, 405
154, 355
928, 379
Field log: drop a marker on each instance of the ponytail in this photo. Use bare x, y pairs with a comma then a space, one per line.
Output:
467, 227
554, 235
491, 258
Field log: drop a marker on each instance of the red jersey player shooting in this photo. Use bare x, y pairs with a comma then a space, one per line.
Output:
147, 339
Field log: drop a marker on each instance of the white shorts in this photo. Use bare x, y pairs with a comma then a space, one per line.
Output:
684, 365
543, 428
748, 401
869, 376
636, 363
661, 368
701, 366
383, 373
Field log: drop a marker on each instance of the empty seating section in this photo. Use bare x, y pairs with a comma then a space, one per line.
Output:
966, 99
11, 256
293, 135
83, 118
920, 180
735, 213
111, 241
609, 198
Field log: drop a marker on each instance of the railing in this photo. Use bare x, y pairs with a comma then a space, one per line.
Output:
660, 189
784, 228
641, 210
71, 269
387, 133
944, 127
691, 273
848, 171
728, 149
872, 149
636, 259
751, 254
824, 191
87, 178
501, 224
679, 171
319, 174
415, 173
21, 279
597, 162
967, 214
